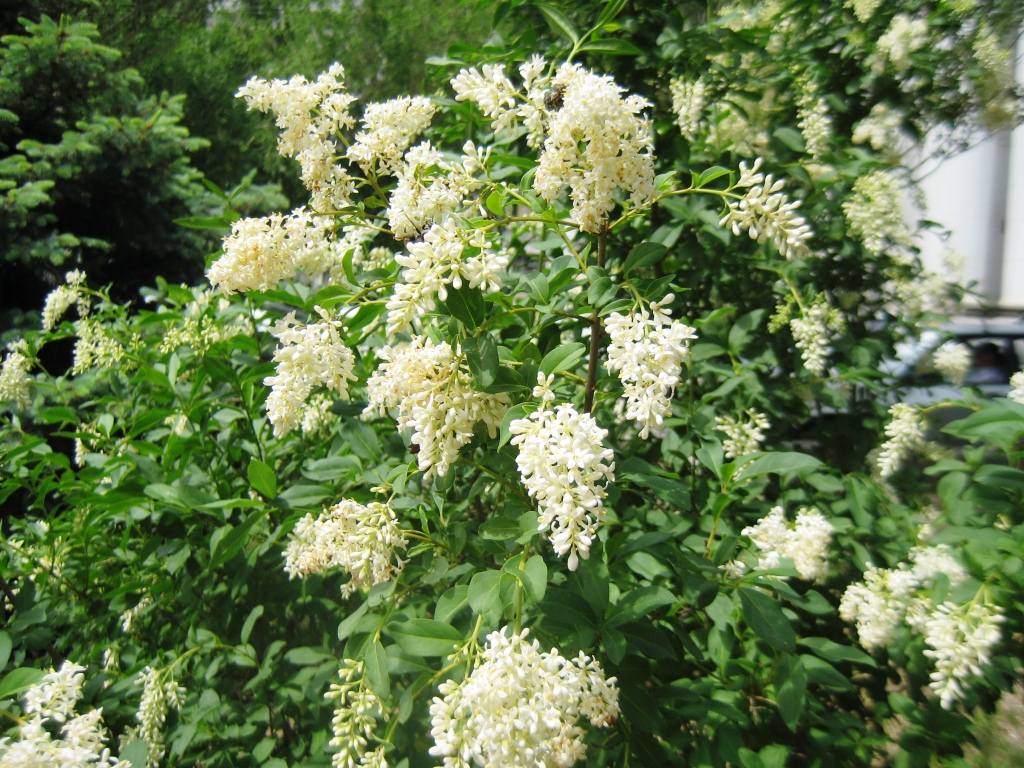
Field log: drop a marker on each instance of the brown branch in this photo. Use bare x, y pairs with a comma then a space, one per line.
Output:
595, 332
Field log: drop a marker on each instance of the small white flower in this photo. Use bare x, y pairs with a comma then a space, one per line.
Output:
805, 542
689, 100
355, 718
903, 37
766, 213
905, 431
874, 212
953, 361
812, 331
15, 382
960, 640
743, 435
62, 298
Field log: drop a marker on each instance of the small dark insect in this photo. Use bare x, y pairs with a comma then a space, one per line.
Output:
553, 98
414, 448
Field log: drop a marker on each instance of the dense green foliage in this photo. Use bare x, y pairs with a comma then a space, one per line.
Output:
149, 493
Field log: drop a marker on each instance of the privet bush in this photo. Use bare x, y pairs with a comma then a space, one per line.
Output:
514, 446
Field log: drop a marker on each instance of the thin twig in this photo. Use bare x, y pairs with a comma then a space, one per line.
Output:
595, 332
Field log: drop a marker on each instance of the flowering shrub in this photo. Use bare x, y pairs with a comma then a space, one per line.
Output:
513, 448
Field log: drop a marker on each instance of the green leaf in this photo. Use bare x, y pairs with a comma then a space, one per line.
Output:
250, 622
711, 174
778, 463
562, 358
19, 680
500, 529
613, 46
308, 656
482, 356
536, 580
362, 439
426, 637
203, 222
644, 255
494, 203
233, 540
349, 623
262, 479
467, 304
637, 604
484, 591
791, 137
601, 291
765, 617
559, 23
820, 672
451, 602
790, 689
5, 649
610, 11
835, 652
376, 665
136, 753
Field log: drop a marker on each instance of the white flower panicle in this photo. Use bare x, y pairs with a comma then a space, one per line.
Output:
564, 467
362, 539
95, 348
307, 356
54, 699
355, 717
521, 707
317, 416
447, 255
905, 431
805, 542
888, 597
960, 640
647, 350
597, 143
814, 121
388, 130
160, 692
863, 9
812, 331
309, 115
1016, 381
766, 213
874, 212
63, 297
689, 100
903, 37
15, 382
261, 252
880, 129
744, 434
130, 618
434, 397
953, 361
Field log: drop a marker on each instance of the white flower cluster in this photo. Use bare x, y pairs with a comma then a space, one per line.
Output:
812, 330
766, 213
1017, 382
960, 640
434, 397
309, 116
430, 187
95, 348
447, 255
158, 696
880, 129
905, 431
261, 252
903, 37
994, 86
63, 297
814, 120
805, 542
741, 125
593, 139
888, 597
362, 539
863, 9
14, 379
307, 356
388, 130
354, 719
598, 142
130, 618
874, 212
743, 435
317, 416
647, 349
953, 361
561, 461
689, 100
54, 699
520, 708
